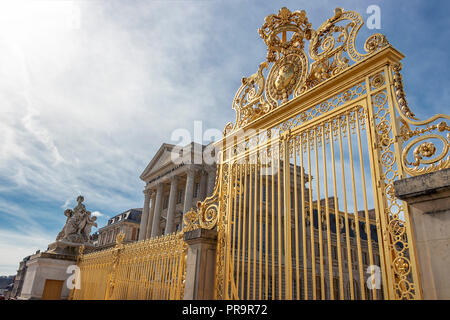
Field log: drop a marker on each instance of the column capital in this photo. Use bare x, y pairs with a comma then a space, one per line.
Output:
148, 192
191, 170
159, 186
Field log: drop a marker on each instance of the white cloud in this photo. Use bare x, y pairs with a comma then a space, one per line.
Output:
97, 214
16, 245
90, 89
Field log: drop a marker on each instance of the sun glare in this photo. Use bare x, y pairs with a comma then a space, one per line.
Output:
23, 19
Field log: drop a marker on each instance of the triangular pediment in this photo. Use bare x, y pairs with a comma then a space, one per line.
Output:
161, 159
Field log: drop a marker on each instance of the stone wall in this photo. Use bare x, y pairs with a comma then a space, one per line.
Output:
428, 198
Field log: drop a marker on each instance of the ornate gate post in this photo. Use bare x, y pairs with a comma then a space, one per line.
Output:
200, 264
115, 264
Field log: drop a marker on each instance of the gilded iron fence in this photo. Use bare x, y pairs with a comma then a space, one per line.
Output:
304, 203
152, 269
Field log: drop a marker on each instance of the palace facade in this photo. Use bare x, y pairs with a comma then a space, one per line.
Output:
175, 180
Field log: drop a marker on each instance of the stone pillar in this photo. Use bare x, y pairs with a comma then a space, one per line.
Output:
157, 210
172, 205
203, 180
211, 182
151, 213
428, 198
145, 212
189, 191
200, 264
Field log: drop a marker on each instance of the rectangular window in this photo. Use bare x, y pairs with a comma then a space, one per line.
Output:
336, 288
365, 258
196, 187
334, 252
166, 202
180, 196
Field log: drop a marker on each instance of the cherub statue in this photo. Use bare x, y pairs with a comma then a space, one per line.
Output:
78, 224
68, 213
90, 222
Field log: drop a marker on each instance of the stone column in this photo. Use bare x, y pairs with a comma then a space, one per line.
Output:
145, 213
203, 178
151, 213
157, 210
172, 205
211, 181
200, 264
188, 193
189, 190
428, 198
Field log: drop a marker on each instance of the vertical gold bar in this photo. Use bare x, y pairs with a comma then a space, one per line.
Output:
164, 278
266, 240
159, 270
337, 216
149, 271
145, 273
152, 270
249, 242
232, 223
244, 230
255, 215
230, 217
319, 217
154, 267
230, 210
166, 270
280, 283
327, 209
349, 256
358, 236
273, 220
169, 273
163, 270
297, 242
311, 216
173, 274
366, 211
181, 270
241, 191
176, 273
260, 228
287, 221
304, 244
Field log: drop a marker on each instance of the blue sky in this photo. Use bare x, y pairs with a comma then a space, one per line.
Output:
89, 90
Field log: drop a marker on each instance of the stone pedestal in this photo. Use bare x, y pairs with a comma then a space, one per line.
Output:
428, 198
51, 266
200, 264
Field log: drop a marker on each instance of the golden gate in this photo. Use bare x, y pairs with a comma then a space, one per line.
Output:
304, 204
